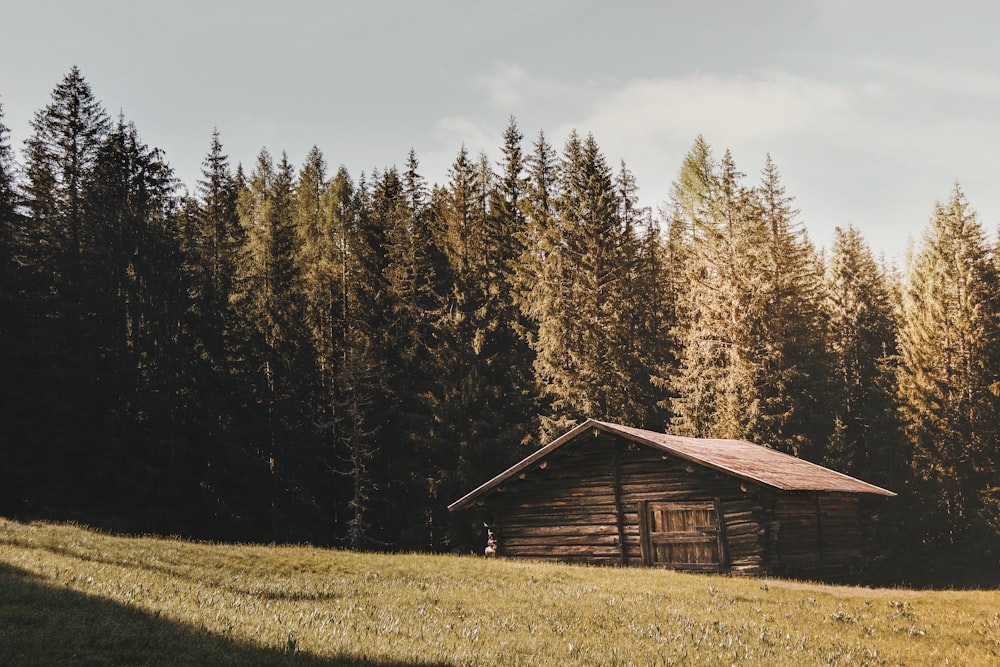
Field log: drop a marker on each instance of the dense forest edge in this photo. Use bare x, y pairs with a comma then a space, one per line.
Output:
282, 353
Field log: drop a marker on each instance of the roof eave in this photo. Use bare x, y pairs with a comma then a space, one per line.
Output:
537, 455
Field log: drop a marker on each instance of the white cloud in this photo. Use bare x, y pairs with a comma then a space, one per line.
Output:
770, 105
510, 88
451, 132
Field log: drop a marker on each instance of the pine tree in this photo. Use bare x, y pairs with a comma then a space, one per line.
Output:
509, 242
866, 440
416, 288
716, 377
265, 300
374, 519
457, 373
10, 221
751, 332
135, 295
669, 256
132, 254
536, 240
862, 329
254, 290
642, 330
17, 340
316, 281
212, 238
217, 406
539, 234
586, 272
948, 378
508, 199
792, 384
359, 385
60, 154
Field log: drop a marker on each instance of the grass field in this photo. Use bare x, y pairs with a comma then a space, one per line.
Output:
72, 596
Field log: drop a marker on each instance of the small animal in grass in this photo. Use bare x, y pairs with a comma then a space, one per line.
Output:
491, 543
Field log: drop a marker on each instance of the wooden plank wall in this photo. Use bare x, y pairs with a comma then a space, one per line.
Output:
820, 535
565, 511
576, 508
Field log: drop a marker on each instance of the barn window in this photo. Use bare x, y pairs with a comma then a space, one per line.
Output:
682, 535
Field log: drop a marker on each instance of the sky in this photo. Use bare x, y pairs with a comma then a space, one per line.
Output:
872, 111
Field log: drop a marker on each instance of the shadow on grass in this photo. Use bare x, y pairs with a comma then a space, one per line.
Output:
45, 625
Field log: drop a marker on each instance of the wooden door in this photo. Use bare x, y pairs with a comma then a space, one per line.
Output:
682, 535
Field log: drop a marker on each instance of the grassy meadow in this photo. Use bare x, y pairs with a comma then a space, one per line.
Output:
73, 596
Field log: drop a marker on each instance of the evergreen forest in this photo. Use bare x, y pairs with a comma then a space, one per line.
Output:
292, 353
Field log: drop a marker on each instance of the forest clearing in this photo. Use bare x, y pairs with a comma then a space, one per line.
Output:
71, 595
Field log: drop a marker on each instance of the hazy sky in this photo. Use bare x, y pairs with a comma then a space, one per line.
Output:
871, 110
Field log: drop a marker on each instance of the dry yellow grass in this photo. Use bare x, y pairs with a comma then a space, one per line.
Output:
69, 595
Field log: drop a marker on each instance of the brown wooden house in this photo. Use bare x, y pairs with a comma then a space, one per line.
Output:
615, 495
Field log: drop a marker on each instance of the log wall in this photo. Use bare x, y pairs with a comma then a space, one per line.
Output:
583, 506
819, 535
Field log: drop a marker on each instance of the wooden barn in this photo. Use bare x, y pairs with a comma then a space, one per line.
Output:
609, 494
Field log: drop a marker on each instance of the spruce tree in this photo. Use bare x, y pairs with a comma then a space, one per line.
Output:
60, 153
586, 272
135, 295
374, 518
416, 289
642, 327
792, 382
212, 238
132, 254
10, 220
948, 379
862, 335
316, 281
458, 376
359, 391
17, 340
266, 303
538, 236
509, 242
750, 334
866, 440
717, 369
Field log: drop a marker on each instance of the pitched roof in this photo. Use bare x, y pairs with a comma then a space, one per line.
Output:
738, 458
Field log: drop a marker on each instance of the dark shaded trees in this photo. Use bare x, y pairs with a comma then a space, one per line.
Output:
268, 309
212, 236
862, 328
18, 334
360, 391
135, 299
11, 224
101, 300
415, 271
